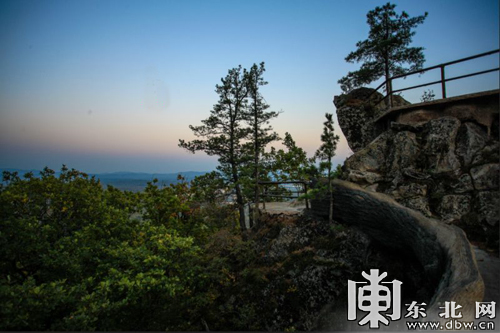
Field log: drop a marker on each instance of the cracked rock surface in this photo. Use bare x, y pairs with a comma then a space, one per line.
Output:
445, 166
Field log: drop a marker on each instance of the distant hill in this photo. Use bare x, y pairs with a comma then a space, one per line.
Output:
134, 181
128, 181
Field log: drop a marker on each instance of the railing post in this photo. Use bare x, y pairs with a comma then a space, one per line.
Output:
443, 82
265, 196
307, 200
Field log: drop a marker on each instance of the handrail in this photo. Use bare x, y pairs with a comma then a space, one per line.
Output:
443, 80
277, 195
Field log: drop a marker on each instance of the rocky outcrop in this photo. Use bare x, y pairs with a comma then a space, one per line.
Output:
446, 256
302, 266
445, 166
356, 111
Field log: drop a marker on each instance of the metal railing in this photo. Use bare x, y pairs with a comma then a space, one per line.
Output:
278, 194
388, 83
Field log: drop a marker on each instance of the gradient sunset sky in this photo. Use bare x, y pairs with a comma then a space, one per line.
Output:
107, 86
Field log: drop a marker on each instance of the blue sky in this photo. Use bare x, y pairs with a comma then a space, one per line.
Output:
108, 86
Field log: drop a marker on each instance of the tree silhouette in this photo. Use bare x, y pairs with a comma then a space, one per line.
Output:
387, 48
325, 153
222, 133
258, 119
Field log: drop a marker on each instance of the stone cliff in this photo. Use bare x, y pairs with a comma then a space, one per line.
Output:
440, 158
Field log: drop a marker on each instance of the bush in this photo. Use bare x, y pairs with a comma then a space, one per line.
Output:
72, 258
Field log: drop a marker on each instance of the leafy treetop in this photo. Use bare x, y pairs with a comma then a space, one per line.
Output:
387, 48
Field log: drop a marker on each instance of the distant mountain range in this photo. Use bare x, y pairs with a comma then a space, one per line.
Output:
127, 181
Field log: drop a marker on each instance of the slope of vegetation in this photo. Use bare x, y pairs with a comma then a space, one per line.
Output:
74, 256
77, 257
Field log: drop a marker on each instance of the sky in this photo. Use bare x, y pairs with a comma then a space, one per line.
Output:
106, 86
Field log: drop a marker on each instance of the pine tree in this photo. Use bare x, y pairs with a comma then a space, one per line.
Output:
325, 154
223, 133
292, 163
387, 48
258, 119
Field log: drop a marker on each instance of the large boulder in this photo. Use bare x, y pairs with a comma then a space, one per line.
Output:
368, 165
439, 148
470, 141
443, 251
356, 112
404, 152
355, 118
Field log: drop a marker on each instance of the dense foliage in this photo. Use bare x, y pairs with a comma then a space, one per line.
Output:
74, 256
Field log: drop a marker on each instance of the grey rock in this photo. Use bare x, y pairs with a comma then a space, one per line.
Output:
371, 158
404, 153
420, 204
414, 174
488, 154
488, 207
398, 127
364, 177
440, 135
368, 165
450, 149
280, 246
463, 184
470, 140
485, 177
372, 187
410, 190
356, 112
356, 122
358, 96
454, 206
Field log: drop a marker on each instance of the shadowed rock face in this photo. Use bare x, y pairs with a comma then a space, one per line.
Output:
442, 250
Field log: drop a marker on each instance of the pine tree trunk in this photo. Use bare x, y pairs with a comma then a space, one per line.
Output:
241, 207
239, 196
256, 162
256, 199
330, 215
388, 84
234, 171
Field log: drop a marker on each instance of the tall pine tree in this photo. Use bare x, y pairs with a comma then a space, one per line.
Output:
222, 133
387, 48
258, 119
325, 154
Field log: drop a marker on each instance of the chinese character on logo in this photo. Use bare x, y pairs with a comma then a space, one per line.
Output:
485, 309
415, 310
374, 299
450, 310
